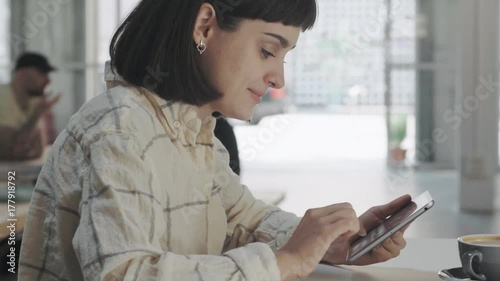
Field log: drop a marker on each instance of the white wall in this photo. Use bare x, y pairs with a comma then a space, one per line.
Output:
477, 58
445, 52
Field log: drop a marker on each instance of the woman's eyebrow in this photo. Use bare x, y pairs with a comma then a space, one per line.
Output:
284, 43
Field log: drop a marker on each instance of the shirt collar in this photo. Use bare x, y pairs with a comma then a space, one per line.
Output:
184, 125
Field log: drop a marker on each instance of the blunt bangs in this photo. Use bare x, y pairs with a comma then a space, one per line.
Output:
298, 13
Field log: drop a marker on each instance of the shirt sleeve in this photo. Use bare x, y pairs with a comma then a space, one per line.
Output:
112, 242
250, 220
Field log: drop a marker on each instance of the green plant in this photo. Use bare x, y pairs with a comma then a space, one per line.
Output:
397, 129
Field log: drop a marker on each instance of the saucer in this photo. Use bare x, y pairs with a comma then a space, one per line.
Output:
454, 274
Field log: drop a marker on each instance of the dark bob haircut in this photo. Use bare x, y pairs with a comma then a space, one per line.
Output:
153, 48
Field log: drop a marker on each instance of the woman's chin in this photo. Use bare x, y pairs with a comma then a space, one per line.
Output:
244, 116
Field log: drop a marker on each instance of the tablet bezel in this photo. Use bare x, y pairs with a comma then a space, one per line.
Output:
423, 203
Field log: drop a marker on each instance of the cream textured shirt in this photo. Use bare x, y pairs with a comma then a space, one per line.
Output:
120, 198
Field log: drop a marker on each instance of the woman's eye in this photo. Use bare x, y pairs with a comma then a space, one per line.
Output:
266, 53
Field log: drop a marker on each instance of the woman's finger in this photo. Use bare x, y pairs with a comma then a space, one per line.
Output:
390, 208
345, 227
325, 211
340, 214
387, 250
399, 240
403, 230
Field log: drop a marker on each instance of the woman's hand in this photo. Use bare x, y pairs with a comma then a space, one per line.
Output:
390, 248
312, 238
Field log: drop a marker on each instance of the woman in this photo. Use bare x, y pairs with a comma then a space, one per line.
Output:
138, 188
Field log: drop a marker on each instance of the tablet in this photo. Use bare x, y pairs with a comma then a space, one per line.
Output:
390, 226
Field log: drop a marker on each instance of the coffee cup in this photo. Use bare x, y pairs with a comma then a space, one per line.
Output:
480, 256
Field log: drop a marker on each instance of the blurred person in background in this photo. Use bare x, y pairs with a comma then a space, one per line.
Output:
23, 107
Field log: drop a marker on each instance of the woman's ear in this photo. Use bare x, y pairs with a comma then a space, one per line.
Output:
205, 24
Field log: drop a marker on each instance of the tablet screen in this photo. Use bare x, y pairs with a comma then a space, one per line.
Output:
397, 220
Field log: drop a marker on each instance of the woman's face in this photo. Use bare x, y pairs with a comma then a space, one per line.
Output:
243, 64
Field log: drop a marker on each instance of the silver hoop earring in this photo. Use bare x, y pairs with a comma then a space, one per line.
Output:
201, 47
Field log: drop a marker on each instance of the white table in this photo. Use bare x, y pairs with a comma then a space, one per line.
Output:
427, 254
419, 261
272, 197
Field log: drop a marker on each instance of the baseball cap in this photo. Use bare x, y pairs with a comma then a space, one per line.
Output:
35, 60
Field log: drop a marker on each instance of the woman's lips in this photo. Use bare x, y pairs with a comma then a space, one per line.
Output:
256, 97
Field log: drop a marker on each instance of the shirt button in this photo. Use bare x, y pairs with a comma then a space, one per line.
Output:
177, 124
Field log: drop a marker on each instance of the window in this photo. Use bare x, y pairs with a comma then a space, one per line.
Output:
4, 42
111, 15
106, 18
340, 62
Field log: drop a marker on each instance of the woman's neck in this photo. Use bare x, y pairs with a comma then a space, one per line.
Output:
203, 111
